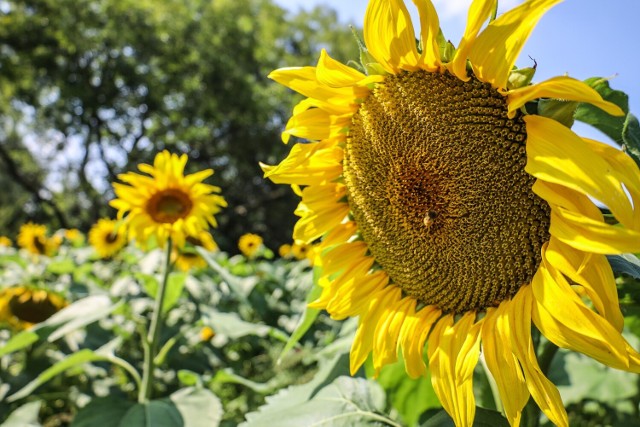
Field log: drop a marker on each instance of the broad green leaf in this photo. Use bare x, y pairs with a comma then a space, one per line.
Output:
79, 314
346, 402
198, 407
188, 378
232, 281
76, 359
18, 342
227, 376
63, 266
102, 411
484, 418
306, 320
175, 285
631, 137
410, 397
628, 264
560, 111
24, 416
610, 125
231, 325
149, 283
293, 396
157, 413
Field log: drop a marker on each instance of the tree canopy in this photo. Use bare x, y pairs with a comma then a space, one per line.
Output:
89, 89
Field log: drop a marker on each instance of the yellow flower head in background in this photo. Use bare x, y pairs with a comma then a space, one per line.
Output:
5, 241
166, 204
300, 250
187, 258
249, 244
206, 333
73, 235
22, 307
448, 215
285, 251
107, 237
33, 238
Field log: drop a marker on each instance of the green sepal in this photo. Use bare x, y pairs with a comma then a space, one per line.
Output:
560, 111
520, 77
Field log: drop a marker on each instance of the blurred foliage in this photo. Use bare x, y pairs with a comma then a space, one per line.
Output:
90, 89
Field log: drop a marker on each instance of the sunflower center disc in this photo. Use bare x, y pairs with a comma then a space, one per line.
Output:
436, 183
30, 309
168, 206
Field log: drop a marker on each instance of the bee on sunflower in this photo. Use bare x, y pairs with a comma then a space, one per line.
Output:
452, 215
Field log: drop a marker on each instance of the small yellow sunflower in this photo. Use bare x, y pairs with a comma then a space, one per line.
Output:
107, 237
167, 203
33, 238
450, 215
186, 258
285, 251
206, 333
73, 235
5, 241
249, 244
21, 307
300, 250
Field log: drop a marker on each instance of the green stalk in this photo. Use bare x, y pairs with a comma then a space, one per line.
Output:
151, 341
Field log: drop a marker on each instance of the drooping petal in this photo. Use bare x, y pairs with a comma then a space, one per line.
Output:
363, 341
566, 321
594, 273
389, 35
429, 29
495, 50
453, 354
498, 354
560, 87
479, 13
307, 164
351, 298
320, 211
542, 390
413, 335
567, 198
385, 341
333, 73
556, 154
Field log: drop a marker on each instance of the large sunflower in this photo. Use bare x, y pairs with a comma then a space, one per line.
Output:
167, 203
452, 216
33, 238
107, 237
22, 306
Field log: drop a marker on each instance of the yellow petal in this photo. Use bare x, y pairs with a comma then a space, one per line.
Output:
504, 367
495, 50
569, 199
413, 335
385, 341
542, 390
585, 234
560, 87
351, 298
307, 164
343, 256
556, 154
335, 74
566, 321
429, 29
479, 12
452, 361
389, 35
363, 340
320, 210
594, 273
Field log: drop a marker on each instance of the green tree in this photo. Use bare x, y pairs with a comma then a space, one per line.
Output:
101, 86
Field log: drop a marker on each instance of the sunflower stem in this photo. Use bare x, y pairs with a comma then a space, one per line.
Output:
151, 341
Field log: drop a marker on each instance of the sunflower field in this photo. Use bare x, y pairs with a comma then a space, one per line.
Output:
435, 244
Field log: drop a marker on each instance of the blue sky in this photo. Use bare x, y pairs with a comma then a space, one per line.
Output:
581, 38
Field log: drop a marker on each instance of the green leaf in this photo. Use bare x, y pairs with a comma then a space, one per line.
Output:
484, 418
628, 264
346, 402
71, 361
224, 376
64, 266
410, 397
188, 378
612, 126
560, 111
25, 416
157, 413
306, 320
18, 342
175, 285
79, 314
234, 282
198, 407
231, 325
102, 411
631, 137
